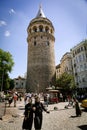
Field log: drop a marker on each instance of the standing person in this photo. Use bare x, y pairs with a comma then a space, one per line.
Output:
38, 113
25, 99
10, 100
77, 108
46, 99
15, 97
28, 116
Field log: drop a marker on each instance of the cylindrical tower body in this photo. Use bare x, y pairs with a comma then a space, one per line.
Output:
41, 58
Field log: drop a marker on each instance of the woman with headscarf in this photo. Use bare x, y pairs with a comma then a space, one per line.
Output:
28, 116
77, 108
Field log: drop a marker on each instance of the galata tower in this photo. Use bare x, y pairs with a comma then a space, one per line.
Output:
41, 57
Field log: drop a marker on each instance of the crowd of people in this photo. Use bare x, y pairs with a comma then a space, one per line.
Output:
34, 107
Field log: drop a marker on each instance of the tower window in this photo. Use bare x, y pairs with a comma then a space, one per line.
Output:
41, 28
47, 43
46, 29
34, 43
35, 29
41, 37
40, 14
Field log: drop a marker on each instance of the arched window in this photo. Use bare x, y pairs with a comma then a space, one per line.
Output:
35, 29
46, 29
41, 28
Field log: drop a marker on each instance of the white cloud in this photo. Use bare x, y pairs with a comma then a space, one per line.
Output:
2, 23
7, 33
12, 11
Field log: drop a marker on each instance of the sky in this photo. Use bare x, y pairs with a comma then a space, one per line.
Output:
69, 18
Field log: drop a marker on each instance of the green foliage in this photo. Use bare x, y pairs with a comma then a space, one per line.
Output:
6, 64
66, 81
11, 84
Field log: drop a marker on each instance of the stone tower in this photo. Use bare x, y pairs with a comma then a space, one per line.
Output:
41, 58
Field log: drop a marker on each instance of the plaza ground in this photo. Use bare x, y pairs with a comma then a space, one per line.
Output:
58, 119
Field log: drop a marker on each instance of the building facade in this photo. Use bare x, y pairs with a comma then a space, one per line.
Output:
41, 58
20, 83
65, 65
58, 71
79, 62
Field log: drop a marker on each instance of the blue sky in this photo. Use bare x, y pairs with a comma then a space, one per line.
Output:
69, 18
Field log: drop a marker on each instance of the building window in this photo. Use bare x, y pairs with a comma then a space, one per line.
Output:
81, 48
41, 37
80, 59
47, 29
41, 28
74, 65
76, 60
34, 43
83, 56
47, 43
75, 52
81, 68
35, 29
73, 55
16, 83
22, 84
83, 79
78, 50
85, 67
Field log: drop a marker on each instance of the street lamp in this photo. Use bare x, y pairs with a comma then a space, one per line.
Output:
3, 63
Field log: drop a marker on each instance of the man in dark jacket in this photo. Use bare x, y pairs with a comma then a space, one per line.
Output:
38, 113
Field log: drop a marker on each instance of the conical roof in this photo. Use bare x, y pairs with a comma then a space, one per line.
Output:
40, 13
40, 17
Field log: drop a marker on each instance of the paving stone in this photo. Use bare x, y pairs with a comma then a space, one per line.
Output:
59, 119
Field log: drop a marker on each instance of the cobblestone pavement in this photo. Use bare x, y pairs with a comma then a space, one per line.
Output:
2, 109
60, 119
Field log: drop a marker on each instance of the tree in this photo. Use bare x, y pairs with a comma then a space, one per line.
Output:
66, 81
6, 64
11, 84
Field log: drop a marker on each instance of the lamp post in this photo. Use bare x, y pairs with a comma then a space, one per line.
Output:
3, 63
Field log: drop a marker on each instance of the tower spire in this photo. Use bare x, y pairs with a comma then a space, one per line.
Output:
40, 6
40, 12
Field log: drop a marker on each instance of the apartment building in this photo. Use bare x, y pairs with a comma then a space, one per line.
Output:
65, 65
19, 83
79, 63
